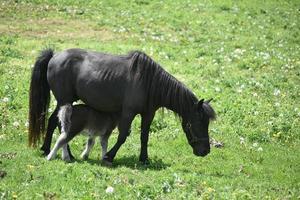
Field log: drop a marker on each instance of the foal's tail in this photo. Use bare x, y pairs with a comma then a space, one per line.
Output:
39, 97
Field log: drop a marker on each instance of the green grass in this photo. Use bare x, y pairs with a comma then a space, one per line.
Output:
244, 54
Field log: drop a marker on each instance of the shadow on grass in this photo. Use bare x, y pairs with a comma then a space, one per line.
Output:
133, 163
129, 162
215, 174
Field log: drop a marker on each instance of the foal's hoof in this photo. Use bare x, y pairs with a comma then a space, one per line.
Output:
84, 156
66, 159
49, 158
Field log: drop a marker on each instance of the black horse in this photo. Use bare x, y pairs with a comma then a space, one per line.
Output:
130, 84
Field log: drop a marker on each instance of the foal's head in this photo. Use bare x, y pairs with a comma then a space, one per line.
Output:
195, 125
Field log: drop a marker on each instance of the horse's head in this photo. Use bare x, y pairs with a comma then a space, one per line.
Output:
195, 125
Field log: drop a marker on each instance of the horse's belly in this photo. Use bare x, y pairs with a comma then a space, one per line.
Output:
102, 97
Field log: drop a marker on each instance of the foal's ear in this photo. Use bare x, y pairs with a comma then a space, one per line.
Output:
199, 105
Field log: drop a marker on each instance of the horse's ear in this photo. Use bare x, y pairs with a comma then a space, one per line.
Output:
199, 104
209, 100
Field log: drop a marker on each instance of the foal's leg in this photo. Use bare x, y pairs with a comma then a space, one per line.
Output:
89, 145
62, 140
145, 126
124, 130
64, 116
52, 124
104, 142
65, 153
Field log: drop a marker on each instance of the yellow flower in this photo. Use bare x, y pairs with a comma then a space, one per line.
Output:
14, 195
30, 167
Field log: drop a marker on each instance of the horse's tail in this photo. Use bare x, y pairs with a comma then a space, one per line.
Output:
39, 97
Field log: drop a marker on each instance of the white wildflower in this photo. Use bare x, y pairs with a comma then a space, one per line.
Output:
276, 92
217, 89
5, 99
260, 149
266, 56
242, 140
238, 51
277, 104
166, 187
109, 190
16, 124
255, 144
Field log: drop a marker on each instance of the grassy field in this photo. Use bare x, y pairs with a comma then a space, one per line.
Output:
244, 54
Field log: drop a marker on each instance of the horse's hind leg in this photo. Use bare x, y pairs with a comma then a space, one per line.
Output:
52, 124
89, 145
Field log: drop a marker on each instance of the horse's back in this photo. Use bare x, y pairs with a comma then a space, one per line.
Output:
99, 79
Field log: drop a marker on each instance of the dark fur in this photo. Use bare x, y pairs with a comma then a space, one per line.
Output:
131, 84
39, 97
162, 88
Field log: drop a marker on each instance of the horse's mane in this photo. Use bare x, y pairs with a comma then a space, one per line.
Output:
209, 111
162, 88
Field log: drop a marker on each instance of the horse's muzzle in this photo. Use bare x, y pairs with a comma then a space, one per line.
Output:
201, 153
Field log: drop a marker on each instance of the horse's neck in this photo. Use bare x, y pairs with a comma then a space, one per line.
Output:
174, 96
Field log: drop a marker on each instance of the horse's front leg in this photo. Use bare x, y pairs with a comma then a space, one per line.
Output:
124, 130
145, 127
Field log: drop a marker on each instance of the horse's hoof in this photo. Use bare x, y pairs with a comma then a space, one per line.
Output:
145, 161
45, 152
106, 161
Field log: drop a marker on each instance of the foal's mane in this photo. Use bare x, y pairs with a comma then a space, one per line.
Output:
162, 88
